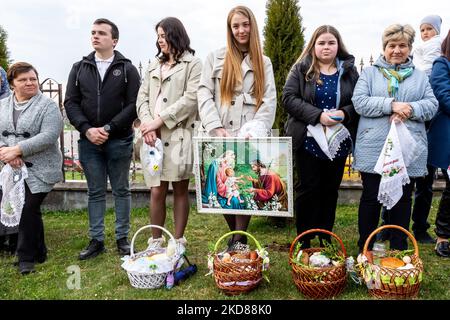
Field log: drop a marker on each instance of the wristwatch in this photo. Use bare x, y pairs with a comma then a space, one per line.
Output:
107, 128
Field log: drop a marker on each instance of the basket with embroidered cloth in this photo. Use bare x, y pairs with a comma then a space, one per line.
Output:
155, 266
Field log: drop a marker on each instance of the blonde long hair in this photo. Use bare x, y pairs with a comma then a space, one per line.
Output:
232, 71
314, 69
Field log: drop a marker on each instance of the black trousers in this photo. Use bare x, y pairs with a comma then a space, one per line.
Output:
423, 197
443, 215
316, 192
31, 244
370, 207
422, 201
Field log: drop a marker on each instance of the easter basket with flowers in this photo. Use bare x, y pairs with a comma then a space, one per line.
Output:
155, 266
240, 270
396, 275
318, 273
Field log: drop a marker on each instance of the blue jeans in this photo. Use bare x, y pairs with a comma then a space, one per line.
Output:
111, 159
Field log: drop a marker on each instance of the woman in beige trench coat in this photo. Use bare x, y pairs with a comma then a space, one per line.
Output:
167, 108
237, 86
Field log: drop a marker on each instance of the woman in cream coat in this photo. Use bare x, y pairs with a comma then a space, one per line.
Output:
237, 86
167, 108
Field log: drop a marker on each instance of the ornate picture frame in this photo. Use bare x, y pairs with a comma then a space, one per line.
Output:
250, 176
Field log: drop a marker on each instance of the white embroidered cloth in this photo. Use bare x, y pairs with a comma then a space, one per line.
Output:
392, 163
13, 199
328, 138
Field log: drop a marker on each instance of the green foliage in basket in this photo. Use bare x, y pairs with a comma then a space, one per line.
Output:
401, 254
297, 259
332, 252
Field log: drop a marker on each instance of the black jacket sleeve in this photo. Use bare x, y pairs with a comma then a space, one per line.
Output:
293, 101
72, 102
124, 119
351, 116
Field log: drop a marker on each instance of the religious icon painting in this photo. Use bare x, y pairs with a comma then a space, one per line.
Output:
244, 176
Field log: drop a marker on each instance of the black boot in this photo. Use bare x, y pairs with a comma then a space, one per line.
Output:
26, 267
442, 249
94, 248
123, 247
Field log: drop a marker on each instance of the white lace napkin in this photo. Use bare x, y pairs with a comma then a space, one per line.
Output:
328, 138
13, 199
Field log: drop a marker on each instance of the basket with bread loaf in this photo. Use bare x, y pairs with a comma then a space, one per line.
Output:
396, 275
239, 270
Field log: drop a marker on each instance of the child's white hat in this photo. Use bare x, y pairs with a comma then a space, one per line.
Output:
433, 20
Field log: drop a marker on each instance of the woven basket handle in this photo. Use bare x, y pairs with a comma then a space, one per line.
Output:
291, 250
146, 227
258, 245
390, 226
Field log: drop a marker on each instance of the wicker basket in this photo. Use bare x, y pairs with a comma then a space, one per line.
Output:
237, 277
319, 283
149, 280
389, 283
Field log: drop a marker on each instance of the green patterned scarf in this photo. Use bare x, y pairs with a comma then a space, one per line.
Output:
394, 78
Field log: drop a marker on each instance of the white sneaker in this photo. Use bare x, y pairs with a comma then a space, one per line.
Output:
181, 242
156, 244
178, 247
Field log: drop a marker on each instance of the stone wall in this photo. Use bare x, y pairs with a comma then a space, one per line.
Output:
73, 195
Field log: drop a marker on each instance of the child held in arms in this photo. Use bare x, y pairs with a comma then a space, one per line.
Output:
430, 49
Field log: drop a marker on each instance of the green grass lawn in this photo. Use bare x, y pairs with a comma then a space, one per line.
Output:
103, 278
